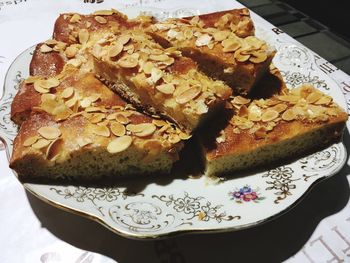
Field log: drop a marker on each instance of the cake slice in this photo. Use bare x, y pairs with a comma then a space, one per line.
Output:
94, 143
223, 44
264, 131
157, 80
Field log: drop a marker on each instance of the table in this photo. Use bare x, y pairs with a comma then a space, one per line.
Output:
317, 230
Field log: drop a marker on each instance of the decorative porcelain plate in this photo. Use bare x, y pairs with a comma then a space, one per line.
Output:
185, 204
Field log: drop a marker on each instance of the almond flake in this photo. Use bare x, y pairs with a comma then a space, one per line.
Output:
101, 19
313, 97
119, 144
31, 140
288, 115
117, 129
128, 61
156, 74
269, 115
123, 39
54, 149
83, 36
45, 48
71, 51
166, 88
221, 35
100, 130
49, 132
147, 67
142, 129
188, 95
31, 79
97, 117
103, 12
40, 144
161, 57
324, 100
115, 50
75, 18
203, 40
122, 119
85, 102
74, 62
159, 123
230, 45
51, 42
240, 100
279, 107
67, 92
258, 57
82, 141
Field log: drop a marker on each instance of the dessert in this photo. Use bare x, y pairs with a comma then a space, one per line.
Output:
157, 80
223, 44
264, 131
94, 143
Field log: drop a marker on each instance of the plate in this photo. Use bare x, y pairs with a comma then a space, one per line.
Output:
179, 205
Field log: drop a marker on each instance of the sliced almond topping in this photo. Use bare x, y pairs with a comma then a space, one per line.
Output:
240, 57
188, 34
122, 119
101, 19
240, 100
117, 129
313, 97
52, 83
71, 51
221, 35
97, 117
83, 36
269, 115
153, 147
85, 102
51, 42
45, 48
103, 12
324, 100
203, 40
174, 138
40, 144
100, 130
258, 57
115, 50
94, 97
119, 144
83, 141
156, 74
67, 92
161, 57
54, 149
31, 79
147, 67
188, 95
123, 39
166, 88
279, 107
230, 45
74, 62
39, 88
142, 129
184, 136
159, 123
31, 140
128, 61
75, 18
49, 132
289, 115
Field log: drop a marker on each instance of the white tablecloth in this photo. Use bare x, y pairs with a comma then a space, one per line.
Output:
317, 230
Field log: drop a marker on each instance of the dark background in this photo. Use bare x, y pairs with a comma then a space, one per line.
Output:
322, 26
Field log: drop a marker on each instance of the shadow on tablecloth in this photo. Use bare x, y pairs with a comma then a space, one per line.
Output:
273, 241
